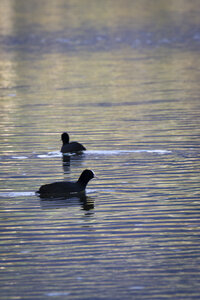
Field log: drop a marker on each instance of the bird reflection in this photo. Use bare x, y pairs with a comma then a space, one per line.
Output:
87, 203
71, 159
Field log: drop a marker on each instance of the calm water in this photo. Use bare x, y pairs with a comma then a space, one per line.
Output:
122, 77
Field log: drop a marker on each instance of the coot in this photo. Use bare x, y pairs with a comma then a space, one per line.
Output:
64, 187
70, 147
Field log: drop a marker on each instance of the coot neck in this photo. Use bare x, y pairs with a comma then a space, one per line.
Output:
65, 138
83, 180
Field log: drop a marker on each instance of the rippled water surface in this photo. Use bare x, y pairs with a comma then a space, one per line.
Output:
122, 78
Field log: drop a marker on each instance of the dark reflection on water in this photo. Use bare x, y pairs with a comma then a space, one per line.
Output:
74, 160
123, 78
86, 202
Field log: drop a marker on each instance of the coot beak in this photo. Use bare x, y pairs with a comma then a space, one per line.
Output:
95, 176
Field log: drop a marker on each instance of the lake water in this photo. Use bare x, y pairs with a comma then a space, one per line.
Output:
121, 77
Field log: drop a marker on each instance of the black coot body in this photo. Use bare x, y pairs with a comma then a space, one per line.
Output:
64, 188
70, 147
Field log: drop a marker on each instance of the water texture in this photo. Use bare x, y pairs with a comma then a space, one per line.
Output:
122, 78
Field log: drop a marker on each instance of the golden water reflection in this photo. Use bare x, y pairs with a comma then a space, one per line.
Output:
53, 15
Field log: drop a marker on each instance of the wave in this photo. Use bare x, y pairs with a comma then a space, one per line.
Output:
19, 157
104, 152
53, 154
118, 152
16, 194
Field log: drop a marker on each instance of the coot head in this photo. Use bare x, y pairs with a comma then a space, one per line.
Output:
65, 138
86, 176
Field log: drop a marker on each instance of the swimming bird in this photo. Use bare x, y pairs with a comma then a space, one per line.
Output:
65, 188
70, 147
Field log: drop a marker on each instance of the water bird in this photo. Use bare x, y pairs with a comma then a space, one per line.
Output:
64, 188
70, 147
